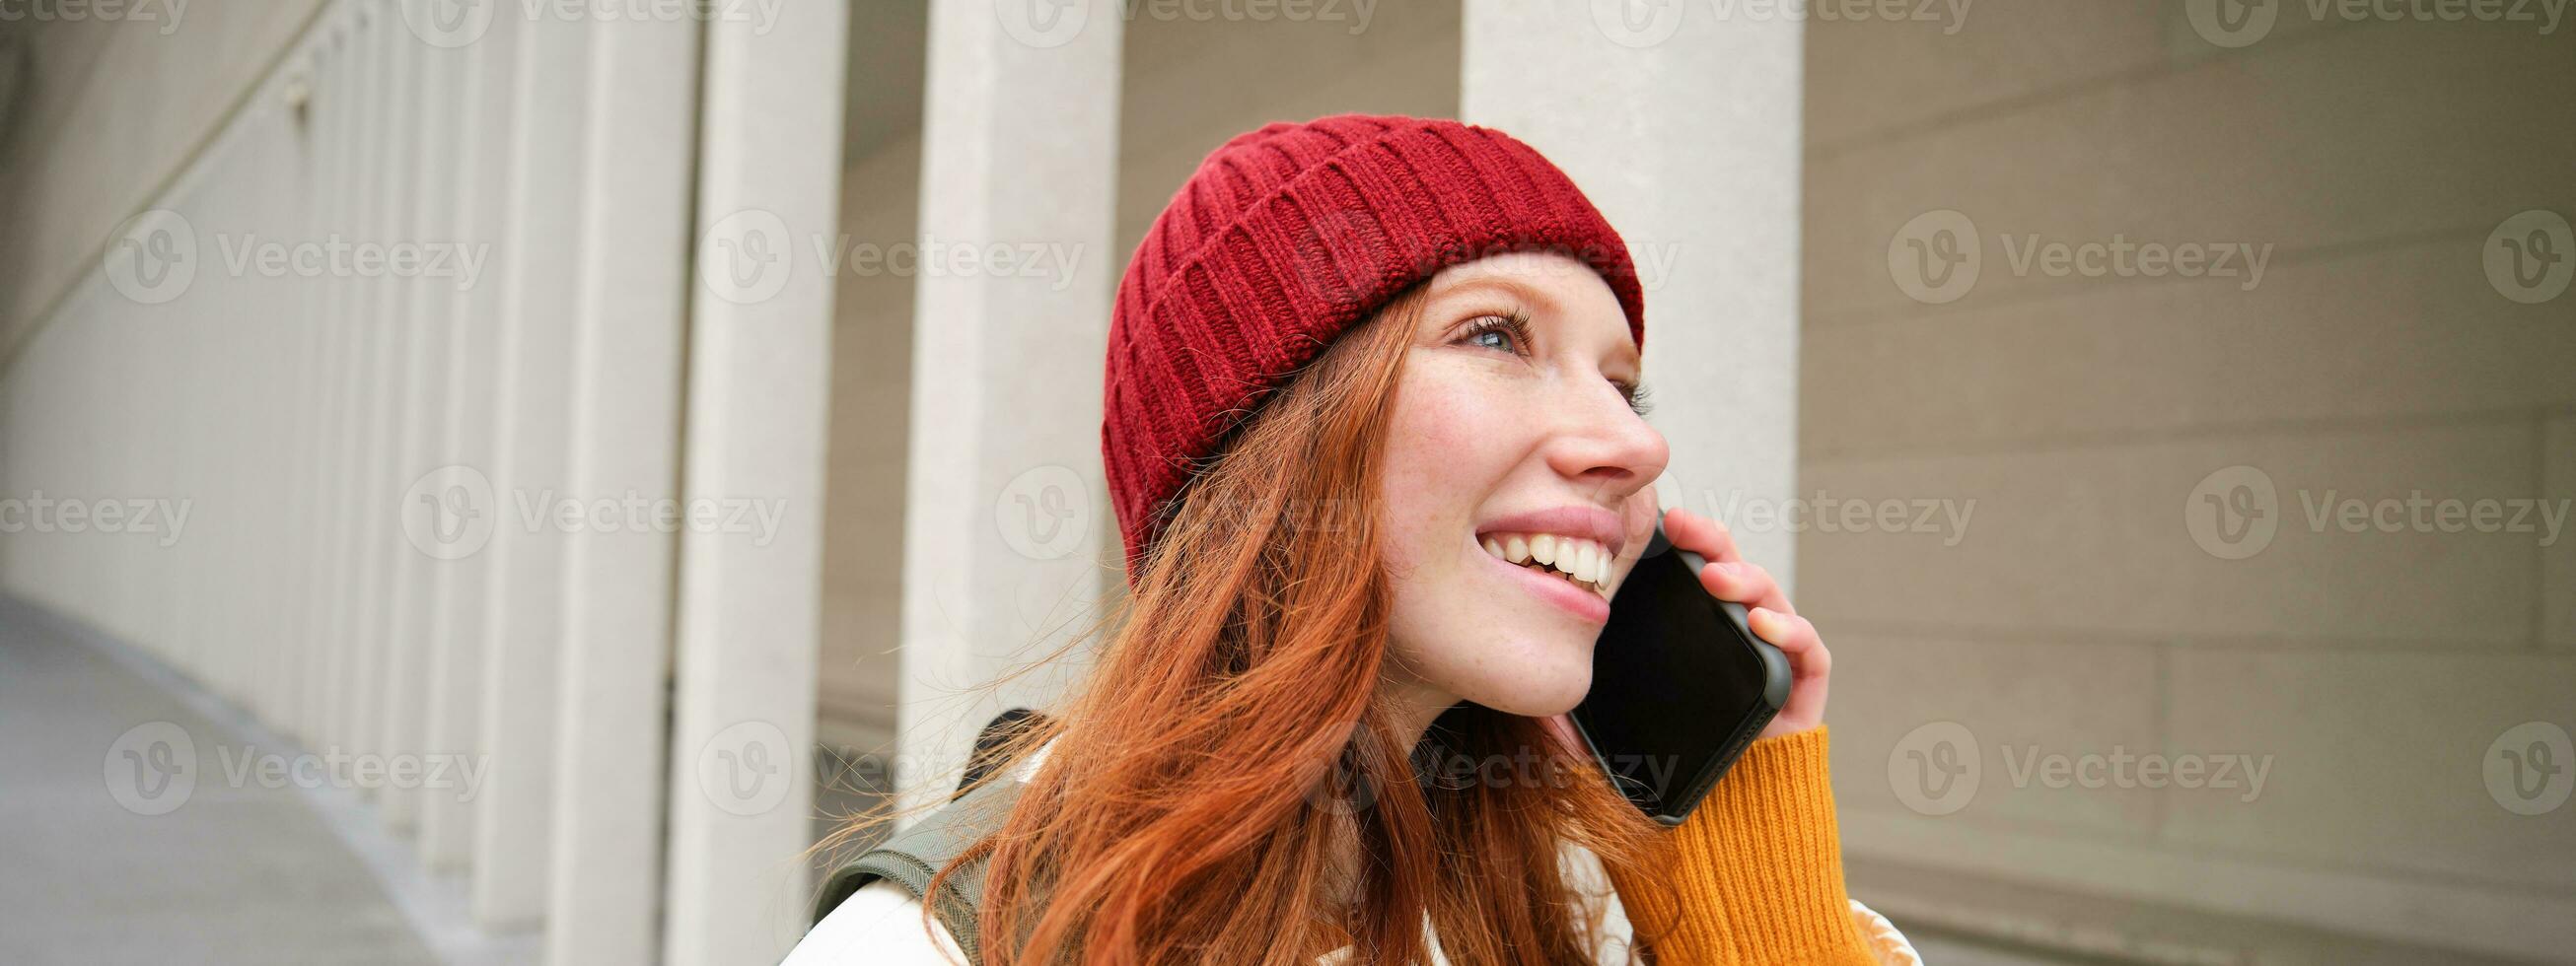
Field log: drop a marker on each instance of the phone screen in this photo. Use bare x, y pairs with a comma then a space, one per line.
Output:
1679, 685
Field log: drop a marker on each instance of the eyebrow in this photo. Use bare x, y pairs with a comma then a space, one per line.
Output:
1508, 285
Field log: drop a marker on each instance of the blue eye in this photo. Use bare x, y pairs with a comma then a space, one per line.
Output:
1500, 332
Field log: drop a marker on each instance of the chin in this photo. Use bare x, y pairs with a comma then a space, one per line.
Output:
1541, 692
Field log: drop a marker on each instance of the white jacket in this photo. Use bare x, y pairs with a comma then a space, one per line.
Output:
880, 925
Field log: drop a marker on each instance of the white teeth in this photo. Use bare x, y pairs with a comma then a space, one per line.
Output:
1581, 561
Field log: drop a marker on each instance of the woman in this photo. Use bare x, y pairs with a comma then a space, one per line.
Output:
1374, 434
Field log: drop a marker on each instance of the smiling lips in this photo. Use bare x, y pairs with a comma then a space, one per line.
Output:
1584, 563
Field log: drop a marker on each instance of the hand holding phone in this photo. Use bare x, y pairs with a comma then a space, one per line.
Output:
1686, 676
1770, 615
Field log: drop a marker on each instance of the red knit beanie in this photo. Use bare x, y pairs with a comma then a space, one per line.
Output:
1282, 239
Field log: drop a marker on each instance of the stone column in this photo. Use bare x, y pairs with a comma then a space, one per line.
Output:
758, 412
523, 632
461, 597
426, 311
1683, 126
1019, 147
604, 904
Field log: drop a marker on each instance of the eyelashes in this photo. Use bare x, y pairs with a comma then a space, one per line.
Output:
1515, 326
1640, 398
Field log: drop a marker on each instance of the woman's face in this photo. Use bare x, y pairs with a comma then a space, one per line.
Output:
1512, 432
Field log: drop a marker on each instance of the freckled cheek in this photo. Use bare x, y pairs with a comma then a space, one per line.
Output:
1446, 452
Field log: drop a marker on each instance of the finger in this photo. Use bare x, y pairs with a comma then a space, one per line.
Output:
1792, 634
1700, 535
1811, 669
1746, 584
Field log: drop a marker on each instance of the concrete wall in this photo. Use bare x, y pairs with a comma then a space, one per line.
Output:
1189, 85
106, 113
2094, 603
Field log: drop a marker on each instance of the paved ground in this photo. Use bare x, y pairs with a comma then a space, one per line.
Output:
232, 875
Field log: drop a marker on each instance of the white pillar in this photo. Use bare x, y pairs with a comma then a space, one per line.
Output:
523, 633
427, 313
1684, 129
341, 101
384, 309
461, 598
1019, 144
605, 897
358, 392
758, 413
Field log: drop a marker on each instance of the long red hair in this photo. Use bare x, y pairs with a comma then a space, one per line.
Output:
1229, 737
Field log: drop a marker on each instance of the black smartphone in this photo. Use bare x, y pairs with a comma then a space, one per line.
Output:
1680, 686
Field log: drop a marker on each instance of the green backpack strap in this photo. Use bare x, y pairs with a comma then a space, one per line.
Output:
912, 856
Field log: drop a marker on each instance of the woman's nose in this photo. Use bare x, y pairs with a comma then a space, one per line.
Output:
1601, 440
